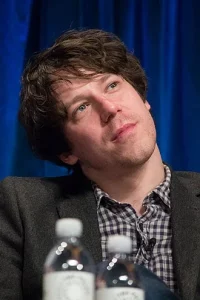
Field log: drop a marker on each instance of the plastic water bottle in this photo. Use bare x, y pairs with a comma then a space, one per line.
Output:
117, 279
69, 272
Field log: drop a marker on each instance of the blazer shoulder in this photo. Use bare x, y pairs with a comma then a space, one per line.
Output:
189, 175
191, 179
43, 185
35, 185
31, 181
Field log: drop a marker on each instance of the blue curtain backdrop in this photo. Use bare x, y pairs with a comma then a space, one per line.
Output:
164, 34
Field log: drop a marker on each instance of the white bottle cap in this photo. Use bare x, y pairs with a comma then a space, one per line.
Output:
119, 244
69, 227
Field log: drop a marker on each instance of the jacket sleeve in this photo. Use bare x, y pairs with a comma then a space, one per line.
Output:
11, 243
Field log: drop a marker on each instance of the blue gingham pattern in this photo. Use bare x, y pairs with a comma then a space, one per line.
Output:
121, 218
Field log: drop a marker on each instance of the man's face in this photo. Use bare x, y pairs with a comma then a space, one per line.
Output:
108, 124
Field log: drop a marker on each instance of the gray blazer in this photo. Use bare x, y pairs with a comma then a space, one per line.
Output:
29, 208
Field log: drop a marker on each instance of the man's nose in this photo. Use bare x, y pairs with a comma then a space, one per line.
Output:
108, 108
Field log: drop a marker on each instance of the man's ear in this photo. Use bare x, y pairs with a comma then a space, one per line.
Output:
148, 106
68, 158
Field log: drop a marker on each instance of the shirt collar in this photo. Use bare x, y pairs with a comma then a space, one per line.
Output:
162, 190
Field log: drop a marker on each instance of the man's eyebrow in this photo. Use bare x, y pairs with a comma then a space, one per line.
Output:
74, 100
82, 96
105, 77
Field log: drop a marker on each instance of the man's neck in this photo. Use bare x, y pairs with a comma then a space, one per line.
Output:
133, 186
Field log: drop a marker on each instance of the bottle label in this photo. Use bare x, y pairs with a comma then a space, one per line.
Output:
120, 293
72, 285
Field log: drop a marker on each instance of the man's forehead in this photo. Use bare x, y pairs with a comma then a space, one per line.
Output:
71, 82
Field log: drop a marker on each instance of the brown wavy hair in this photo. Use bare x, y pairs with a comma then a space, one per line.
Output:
42, 115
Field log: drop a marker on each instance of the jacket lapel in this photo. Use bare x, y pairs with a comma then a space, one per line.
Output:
185, 233
80, 203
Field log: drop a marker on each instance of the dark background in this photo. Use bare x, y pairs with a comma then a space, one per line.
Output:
164, 34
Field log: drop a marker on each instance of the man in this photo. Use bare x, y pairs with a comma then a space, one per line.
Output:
84, 105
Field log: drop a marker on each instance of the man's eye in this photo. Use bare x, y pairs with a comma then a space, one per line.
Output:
81, 108
112, 85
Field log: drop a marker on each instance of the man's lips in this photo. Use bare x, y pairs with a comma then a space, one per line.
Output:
122, 130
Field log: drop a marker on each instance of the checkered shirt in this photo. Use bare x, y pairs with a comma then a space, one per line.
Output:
120, 218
